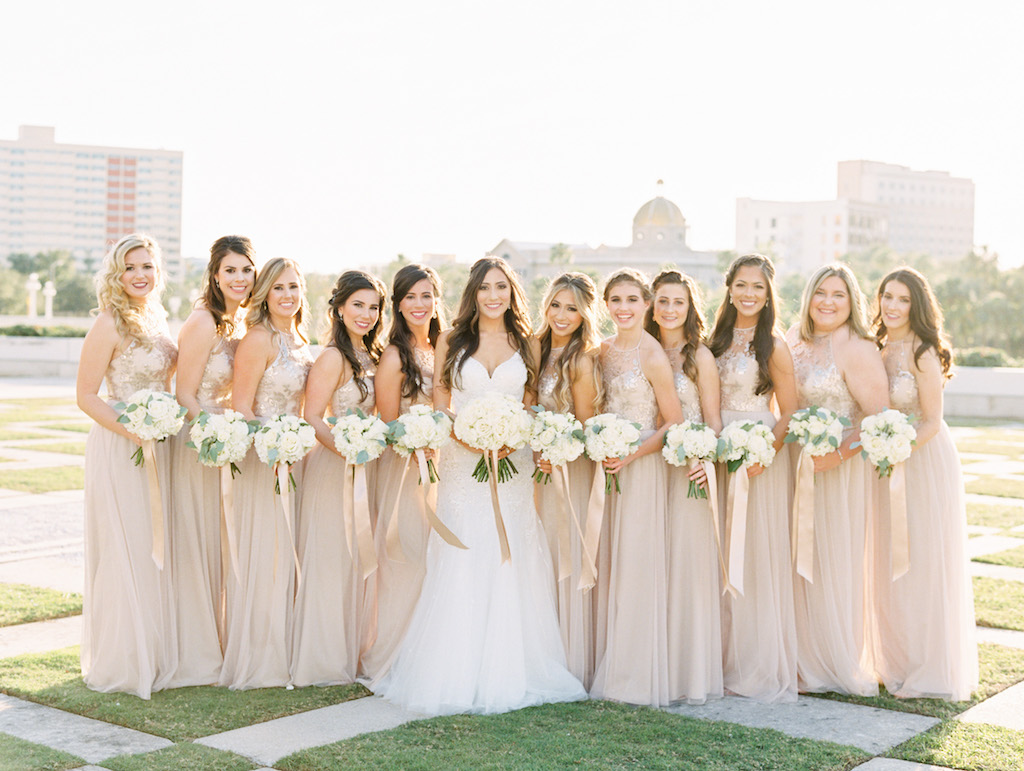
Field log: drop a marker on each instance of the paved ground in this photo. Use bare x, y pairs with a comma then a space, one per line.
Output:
41, 544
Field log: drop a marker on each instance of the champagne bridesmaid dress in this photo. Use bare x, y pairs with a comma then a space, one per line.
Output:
261, 595
129, 641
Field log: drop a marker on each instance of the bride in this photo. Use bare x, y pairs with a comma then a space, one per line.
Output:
484, 636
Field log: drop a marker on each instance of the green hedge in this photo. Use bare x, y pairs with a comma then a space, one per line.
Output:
984, 357
34, 330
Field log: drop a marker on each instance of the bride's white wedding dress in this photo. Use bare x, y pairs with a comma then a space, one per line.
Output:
484, 636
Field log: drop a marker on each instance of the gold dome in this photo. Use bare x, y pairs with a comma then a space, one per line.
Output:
659, 212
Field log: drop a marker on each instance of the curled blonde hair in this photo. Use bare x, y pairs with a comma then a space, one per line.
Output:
131, 321
858, 321
259, 313
585, 341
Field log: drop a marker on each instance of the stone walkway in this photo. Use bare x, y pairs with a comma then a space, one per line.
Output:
41, 544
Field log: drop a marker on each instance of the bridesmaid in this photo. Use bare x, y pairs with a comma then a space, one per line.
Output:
694, 620
926, 618
838, 367
404, 378
638, 385
325, 642
755, 367
271, 365
570, 382
206, 345
128, 630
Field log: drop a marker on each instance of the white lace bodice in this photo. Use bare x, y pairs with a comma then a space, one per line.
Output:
509, 378
628, 392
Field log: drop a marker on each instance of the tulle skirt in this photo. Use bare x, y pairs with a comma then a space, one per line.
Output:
196, 565
635, 667
759, 626
129, 641
925, 634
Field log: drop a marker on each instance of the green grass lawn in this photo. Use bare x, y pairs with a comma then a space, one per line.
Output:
14, 434
1013, 558
1002, 516
70, 448
593, 734
19, 755
181, 756
43, 480
999, 603
970, 746
20, 604
182, 714
1002, 487
79, 428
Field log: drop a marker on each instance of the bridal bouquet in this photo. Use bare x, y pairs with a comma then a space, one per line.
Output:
886, 439
150, 415
221, 439
609, 436
558, 438
359, 437
818, 429
744, 443
284, 439
687, 441
421, 428
489, 423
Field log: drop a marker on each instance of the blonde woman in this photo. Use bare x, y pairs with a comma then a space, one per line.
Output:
570, 381
271, 367
128, 637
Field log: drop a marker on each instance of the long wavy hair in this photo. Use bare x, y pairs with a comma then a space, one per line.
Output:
131, 321
627, 276
693, 324
212, 297
400, 336
259, 313
350, 282
925, 317
464, 339
763, 344
858, 321
585, 340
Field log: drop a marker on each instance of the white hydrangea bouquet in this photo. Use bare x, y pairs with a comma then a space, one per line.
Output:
150, 415
489, 423
421, 428
818, 430
689, 441
746, 443
284, 439
359, 437
558, 437
221, 439
609, 436
887, 439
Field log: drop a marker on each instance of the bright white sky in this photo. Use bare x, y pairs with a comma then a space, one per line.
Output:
342, 133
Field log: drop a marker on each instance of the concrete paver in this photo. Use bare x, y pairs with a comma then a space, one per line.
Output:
891, 764
993, 499
269, 742
868, 728
40, 636
1011, 638
1005, 709
91, 740
1006, 572
990, 544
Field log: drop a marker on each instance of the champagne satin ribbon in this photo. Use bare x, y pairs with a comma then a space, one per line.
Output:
803, 517
156, 507
283, 472
561, 487
228, 534
898, 521
393, 537
355, 495
712, 482
737, 497
499, 523
588, 564
595, 520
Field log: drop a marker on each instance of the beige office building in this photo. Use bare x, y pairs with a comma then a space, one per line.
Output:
83, 198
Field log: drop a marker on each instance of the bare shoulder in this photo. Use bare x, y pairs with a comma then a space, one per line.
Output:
651, 350
703, 356
390, 361
198, 326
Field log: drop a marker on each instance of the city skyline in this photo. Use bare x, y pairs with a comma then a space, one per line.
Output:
345, 135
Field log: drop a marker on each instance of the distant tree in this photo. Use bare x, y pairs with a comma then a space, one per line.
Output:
561, 254
12, 292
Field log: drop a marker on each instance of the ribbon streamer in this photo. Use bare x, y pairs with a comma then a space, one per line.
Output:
595, 520
560, 481
738, 496
156, 507
712, 482
588, 563
499, 523
803, 518
228, 534
283, 472
357, 517
898, 521
393, 539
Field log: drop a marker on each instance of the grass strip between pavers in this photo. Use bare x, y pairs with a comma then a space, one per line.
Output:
1002, 516
589, 734
969, 746
43, 480
1002, 487
1013, 558
999, 603
180, 714
22, 604
182, 756
69, 448
19, 755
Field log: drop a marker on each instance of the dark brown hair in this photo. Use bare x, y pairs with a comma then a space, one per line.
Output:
212, 297
925, 317
400, 335
693, 324
350, 282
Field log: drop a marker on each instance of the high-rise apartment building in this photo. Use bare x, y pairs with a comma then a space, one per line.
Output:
83, 198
